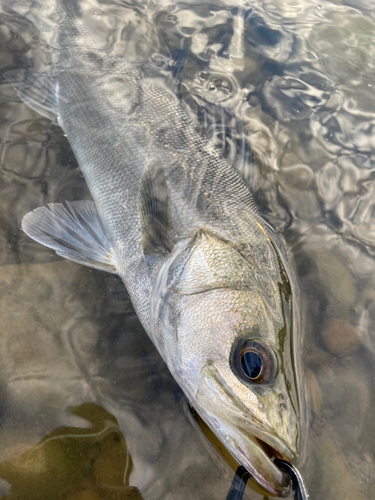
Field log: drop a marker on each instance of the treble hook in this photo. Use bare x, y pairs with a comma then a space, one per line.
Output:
241, 477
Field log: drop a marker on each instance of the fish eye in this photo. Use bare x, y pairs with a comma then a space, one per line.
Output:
255, 361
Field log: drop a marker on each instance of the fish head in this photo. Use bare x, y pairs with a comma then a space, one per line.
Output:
224, 326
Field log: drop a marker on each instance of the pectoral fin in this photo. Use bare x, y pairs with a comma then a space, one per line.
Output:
76, 233
154, 211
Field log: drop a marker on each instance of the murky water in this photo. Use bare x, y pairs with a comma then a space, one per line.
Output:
300, 76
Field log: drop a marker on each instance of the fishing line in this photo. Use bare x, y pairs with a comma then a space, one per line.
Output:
238, 486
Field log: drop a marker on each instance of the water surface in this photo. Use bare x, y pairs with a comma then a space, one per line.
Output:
295, 79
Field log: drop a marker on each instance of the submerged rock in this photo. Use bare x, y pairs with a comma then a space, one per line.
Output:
83, 463
339, 337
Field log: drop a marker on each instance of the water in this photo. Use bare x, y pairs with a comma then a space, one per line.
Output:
299, 75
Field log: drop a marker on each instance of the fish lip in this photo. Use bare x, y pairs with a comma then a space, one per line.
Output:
271, 443
278, 484
261, 463
274, 448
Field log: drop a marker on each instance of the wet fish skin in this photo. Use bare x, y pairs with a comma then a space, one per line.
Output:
203, 269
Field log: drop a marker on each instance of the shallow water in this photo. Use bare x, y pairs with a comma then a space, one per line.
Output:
299, 75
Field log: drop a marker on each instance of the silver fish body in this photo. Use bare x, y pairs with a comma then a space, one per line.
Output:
206, 274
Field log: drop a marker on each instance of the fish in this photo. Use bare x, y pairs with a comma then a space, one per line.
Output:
208, 276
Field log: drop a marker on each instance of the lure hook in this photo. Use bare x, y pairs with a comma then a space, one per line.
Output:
241, 477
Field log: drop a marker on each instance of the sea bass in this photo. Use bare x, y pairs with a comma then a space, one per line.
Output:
208, 277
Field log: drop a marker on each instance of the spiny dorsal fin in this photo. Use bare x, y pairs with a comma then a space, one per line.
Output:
76, 233
223, 127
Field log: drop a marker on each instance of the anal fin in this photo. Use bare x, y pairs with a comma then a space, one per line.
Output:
37, 90
76, 233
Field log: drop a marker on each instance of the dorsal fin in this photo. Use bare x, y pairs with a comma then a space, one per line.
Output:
226, 131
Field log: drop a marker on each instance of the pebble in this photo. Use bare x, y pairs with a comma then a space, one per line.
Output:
339, 337
367, 457
298, 176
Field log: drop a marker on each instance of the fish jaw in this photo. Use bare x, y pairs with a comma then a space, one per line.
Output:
249, 451
245, 438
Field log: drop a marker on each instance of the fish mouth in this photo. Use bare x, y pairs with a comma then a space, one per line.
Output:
257, 450
245, 438
273, 446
